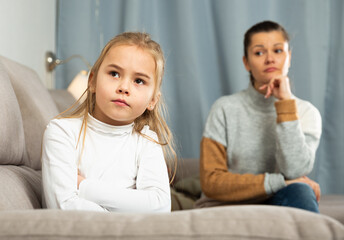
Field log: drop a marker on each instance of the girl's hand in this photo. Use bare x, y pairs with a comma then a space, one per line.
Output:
278, 87
315, 186
80, 179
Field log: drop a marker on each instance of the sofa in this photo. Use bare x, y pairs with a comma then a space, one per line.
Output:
26, 107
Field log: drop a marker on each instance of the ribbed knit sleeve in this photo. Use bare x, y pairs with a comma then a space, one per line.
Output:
217, 180
298, 132
220, 184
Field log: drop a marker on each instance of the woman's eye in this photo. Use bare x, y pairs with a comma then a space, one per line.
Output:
114, 74
258, 53
278, 50
139, 81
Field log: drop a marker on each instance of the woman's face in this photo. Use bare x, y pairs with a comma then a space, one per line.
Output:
268, 56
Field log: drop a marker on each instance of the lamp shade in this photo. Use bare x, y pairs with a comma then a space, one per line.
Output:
78, 85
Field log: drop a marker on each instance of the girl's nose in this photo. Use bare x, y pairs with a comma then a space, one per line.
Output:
123, 88
125, 91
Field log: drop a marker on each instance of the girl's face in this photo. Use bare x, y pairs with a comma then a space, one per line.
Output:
125, 85
267, 57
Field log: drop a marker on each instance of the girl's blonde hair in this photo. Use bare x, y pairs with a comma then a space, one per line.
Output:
153, 118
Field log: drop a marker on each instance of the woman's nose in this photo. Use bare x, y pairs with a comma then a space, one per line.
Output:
269, 58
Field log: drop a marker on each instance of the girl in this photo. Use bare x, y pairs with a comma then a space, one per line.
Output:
259, 144
108, 155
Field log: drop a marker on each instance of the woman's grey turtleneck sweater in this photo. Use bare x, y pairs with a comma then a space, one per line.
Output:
251, 145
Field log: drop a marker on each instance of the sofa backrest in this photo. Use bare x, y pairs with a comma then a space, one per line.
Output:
12, 144
26, 108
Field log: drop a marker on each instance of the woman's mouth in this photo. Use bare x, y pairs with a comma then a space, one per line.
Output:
270, 69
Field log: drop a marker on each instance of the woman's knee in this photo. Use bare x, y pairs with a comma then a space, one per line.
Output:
300, 189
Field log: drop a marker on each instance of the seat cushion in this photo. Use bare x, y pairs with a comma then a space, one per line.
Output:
36, 106
20, 188
239, 222
333, 206
12, 143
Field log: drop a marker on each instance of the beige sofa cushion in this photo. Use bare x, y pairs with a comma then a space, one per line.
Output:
240, 222
20, 188
36, 107
333, 206
63, 99
12, 144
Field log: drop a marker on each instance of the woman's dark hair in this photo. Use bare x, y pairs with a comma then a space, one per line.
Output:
265, 26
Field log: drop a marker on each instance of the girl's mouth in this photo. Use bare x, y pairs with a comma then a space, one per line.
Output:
120, 102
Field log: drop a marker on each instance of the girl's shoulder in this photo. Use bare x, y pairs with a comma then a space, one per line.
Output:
149, 133
64, 124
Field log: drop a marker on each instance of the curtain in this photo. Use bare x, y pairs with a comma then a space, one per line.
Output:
203, 44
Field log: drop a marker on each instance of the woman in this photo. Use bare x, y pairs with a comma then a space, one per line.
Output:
259, 144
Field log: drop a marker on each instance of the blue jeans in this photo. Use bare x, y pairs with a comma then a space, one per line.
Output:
298, 195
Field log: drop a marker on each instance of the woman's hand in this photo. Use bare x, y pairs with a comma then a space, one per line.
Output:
278, 87
80, 179
315, 186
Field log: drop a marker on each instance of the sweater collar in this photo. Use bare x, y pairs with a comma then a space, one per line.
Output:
259, 101
99, 126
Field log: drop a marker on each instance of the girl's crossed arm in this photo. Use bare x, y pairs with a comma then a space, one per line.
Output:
59, 171
152, 193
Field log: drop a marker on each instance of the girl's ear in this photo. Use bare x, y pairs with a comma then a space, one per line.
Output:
154, 101
244, 59
91, 83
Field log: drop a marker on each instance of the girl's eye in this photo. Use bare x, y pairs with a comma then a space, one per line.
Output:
139, 81
114, 74
278, 50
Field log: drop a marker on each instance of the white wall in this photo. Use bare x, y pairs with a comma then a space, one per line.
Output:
27, 30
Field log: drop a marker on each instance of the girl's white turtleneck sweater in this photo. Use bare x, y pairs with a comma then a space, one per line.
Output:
123, 170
